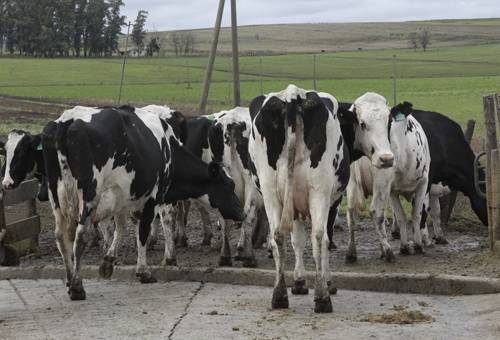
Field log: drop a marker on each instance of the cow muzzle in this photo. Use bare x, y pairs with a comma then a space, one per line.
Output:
386, 160
8, 183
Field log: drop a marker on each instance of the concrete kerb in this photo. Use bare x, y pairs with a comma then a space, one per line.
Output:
394, 282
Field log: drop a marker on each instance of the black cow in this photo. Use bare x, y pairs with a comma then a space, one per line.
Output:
110, 162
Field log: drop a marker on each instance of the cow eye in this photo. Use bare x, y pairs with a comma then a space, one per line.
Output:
363, 126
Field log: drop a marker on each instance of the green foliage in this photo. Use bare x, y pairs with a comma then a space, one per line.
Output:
138, 33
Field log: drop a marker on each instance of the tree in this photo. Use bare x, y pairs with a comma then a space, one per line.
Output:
413, 41
153, 46
115, 22
138, 32
424, 38
187, 43
175, 41
94, 43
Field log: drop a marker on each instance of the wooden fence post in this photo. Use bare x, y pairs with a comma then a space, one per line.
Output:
490, 144
448, 202
495, 199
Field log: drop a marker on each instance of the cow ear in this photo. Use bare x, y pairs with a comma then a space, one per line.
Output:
255, 105
214, 170
404, 109
36, 141
347, 115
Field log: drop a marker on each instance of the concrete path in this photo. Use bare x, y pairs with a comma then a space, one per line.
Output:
40, 309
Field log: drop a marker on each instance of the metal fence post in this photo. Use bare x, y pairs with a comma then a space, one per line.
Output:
123, 65
394, 79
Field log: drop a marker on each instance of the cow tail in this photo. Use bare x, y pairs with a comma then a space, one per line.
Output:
291, 122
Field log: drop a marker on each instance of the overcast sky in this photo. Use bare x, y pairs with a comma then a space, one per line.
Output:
187, 14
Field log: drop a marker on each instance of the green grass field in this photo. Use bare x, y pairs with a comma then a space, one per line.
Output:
451, 80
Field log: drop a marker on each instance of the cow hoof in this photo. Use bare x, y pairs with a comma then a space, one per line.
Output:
225, 261
207, 240
388, 256
106, 267
332, 246
169, 262
182, 242
396, 235
323, 305
419, 249
76, 291
249, 262
331, 288
299, 288
146, 277
404, 250
351, 258
440, 240
280, 299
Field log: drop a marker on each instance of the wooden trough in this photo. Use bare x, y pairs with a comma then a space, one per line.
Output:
27, 228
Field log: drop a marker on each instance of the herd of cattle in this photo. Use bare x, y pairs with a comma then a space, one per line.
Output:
289, 157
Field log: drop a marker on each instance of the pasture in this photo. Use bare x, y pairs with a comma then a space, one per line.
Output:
451, 80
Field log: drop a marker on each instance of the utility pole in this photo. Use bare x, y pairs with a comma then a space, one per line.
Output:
211, 58
123, 65
236, 64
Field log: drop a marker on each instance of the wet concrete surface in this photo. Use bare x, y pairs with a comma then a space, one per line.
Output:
31, 309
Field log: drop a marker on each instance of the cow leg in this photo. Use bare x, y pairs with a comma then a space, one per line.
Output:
319, 218
106, 267
417, 206
142, 270
245, 251
399, 215
83, 236
153, 237
180, 230
377, 210
64, 242
424, 230
395, 233
225, 250
351, 255
435, 210
205, 222
106, 227
261, 231
332, 218
299, 273
167, 219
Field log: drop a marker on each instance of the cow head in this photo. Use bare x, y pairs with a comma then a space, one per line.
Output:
370, 117
401, 111
20, 150
221, 194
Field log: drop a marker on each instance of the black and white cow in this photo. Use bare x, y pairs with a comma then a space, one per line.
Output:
23, 156
223, 138
302, 165
110, 162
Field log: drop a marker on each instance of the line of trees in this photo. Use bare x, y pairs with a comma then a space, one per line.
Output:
183, 43
49, 28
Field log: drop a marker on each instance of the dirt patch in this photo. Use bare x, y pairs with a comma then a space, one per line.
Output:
402, 317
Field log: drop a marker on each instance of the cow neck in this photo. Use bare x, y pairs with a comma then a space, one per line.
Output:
349, 133
189, 175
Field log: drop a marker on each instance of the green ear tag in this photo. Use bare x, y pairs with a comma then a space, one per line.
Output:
39, 147
399, 117
210, 117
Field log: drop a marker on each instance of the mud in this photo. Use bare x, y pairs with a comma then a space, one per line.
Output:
466, 254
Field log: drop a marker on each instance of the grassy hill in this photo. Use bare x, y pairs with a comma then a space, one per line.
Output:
313, 38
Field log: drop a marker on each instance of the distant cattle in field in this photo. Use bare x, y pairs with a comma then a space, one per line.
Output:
302, 166
109, 162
